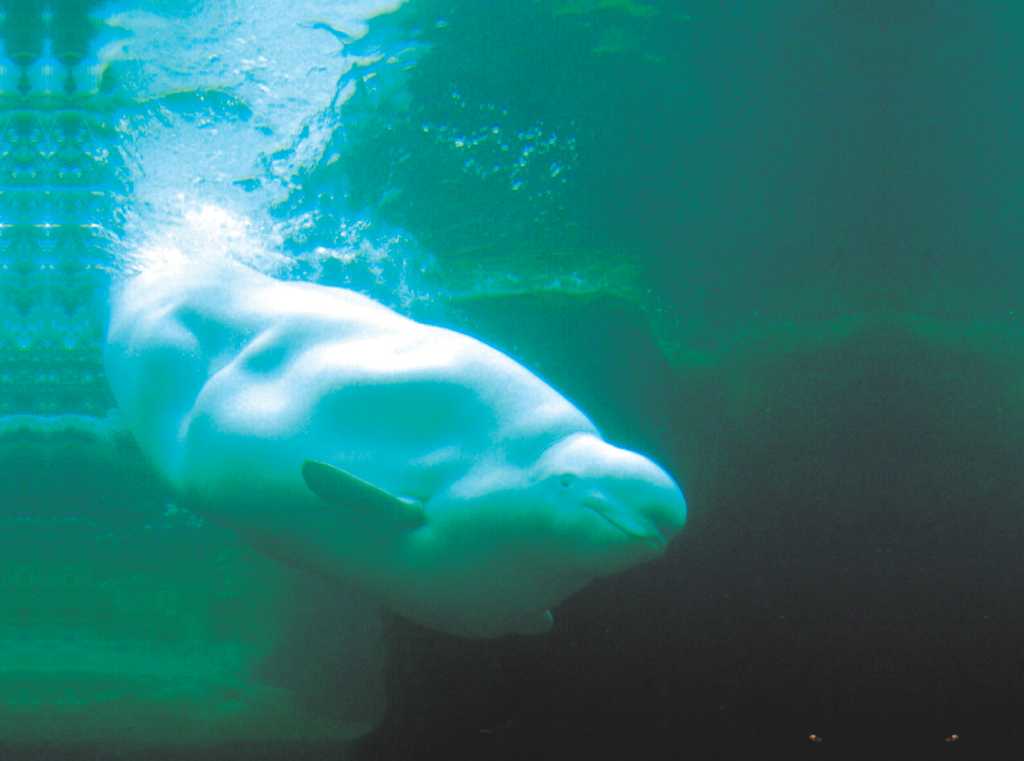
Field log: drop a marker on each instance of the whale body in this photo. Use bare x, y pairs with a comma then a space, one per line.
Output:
415, 463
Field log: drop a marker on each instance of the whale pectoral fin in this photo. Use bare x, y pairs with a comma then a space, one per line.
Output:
534, 623
338, 487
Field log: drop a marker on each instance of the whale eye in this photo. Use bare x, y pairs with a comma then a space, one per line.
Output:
566, 479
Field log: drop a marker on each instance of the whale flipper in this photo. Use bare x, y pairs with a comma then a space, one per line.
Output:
342, 489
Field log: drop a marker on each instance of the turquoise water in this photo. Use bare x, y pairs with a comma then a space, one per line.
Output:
774, 246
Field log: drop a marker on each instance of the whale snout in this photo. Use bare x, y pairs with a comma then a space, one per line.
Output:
665, 507
630, 522
651, 515
626, 489
632, 493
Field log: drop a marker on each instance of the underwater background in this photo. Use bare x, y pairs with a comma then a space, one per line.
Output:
776, 246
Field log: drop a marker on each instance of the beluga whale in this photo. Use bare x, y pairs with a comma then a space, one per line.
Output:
415, 463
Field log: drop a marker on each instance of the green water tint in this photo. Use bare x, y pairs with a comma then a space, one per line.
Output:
59, 190
127, 621
123, 621
498, 143
534, 148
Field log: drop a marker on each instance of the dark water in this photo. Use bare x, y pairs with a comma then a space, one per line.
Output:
775, 246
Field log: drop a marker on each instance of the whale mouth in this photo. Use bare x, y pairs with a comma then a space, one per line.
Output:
630, 525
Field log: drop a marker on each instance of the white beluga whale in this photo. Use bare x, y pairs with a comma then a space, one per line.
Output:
412, 462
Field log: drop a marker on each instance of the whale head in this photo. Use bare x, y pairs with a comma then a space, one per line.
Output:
611, 508
493, 553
